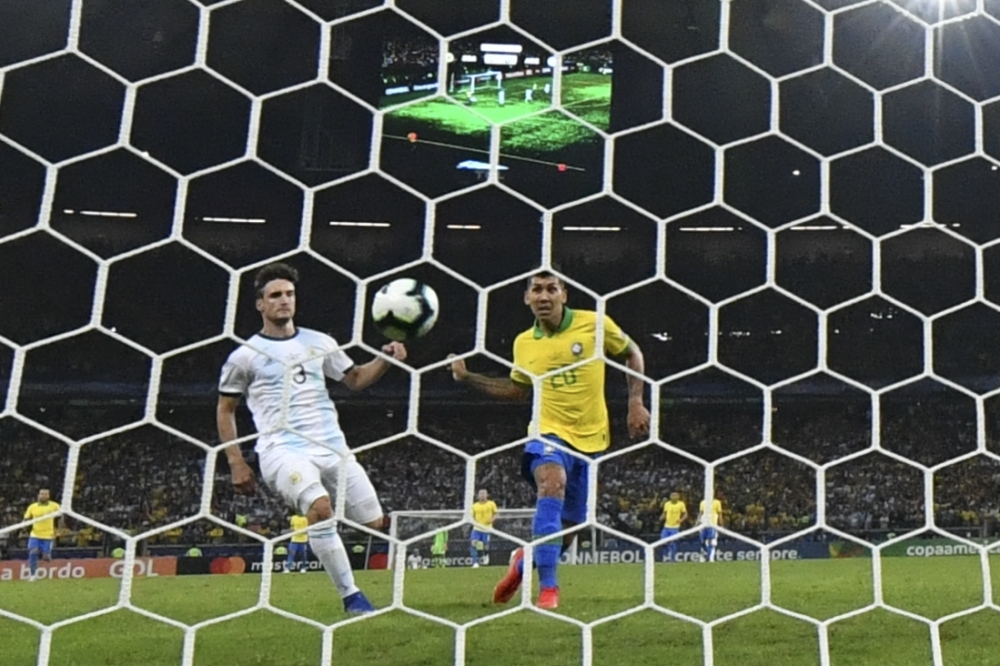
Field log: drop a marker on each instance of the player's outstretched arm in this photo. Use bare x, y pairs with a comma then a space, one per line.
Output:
638, 415
362, 376
225, 420
498, 387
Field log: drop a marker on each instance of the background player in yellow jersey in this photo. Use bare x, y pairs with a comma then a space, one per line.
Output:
43, 533
674, 514
573, 414
297, 545
709, 521
484, 512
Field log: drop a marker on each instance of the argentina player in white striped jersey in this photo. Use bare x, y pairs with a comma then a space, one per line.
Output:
282, 373
306, 419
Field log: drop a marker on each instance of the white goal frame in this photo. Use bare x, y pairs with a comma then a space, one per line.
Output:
458, 519
472, 80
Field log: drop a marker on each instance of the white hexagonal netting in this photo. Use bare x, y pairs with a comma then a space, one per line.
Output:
789, 204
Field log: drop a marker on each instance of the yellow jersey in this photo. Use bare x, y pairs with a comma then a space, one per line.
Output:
672, 514
712, 518
43, 529
299, 523
483, 513
573, 406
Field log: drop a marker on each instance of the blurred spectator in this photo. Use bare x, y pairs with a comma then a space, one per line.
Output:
146, 478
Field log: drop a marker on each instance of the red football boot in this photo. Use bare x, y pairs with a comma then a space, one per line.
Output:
509, 584
548, 598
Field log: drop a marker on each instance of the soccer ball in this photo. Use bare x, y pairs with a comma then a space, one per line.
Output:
405, 309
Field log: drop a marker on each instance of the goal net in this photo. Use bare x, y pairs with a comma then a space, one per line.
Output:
415, 529
788, 205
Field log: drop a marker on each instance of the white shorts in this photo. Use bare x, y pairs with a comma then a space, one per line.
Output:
302, 477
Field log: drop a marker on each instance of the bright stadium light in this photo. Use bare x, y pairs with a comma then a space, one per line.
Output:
500, 48
99, 213
818, 227
235, 220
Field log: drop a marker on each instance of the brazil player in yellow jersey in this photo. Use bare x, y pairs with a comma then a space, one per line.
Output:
709, 534
573, 415
297, 545
674, 514
484, 512
43, 532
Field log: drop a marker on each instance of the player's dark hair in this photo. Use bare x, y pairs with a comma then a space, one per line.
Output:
275, 271
553, 272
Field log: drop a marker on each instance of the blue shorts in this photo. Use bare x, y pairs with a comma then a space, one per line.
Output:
538, 452
296, 549
44, 546
669, 532
709, 534
480, 536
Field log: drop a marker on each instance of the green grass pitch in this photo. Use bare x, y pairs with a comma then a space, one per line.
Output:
586, 95
819, 588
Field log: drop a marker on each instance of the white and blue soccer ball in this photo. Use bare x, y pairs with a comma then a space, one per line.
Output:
405, 309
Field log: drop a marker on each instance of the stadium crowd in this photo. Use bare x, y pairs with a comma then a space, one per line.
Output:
406, 53
591, 60
408, 62
146, 478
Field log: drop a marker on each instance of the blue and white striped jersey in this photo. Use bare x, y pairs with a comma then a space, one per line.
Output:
284, 382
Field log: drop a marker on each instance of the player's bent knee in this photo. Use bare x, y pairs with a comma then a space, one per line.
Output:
551, 481
552, 488
319, 511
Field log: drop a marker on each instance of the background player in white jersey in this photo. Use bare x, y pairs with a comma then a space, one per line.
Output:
282, 372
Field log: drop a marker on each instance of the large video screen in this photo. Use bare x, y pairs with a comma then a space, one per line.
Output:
437, 133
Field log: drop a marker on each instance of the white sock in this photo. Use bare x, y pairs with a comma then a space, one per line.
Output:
330, 551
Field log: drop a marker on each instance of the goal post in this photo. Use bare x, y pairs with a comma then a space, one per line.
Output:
421, 525
417, 524
471, 79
